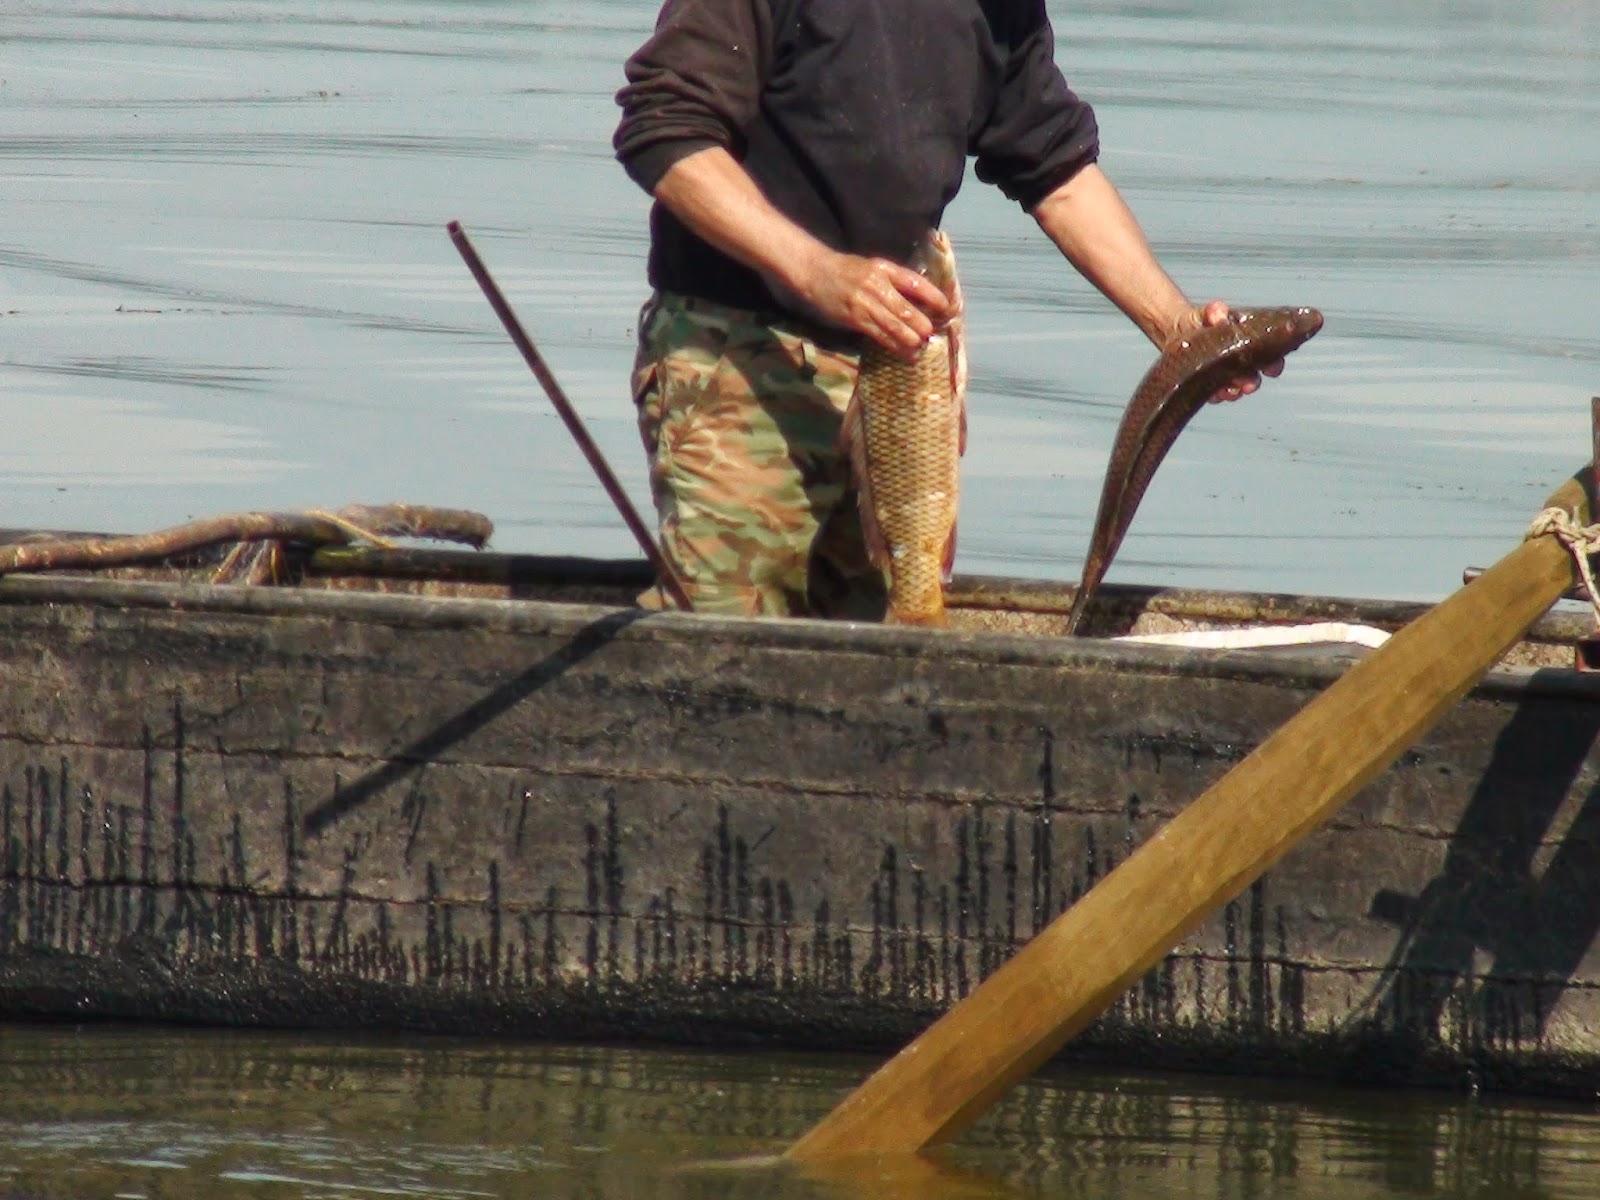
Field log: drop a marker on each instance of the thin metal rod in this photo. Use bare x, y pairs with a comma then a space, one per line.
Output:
569, 415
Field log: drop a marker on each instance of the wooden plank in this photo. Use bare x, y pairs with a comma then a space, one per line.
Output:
942, 1082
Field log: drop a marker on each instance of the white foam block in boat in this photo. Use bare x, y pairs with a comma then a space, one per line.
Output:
1317, 633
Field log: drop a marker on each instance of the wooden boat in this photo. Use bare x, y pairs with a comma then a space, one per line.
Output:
483, 794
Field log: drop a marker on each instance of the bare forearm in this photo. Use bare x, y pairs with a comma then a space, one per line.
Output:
714, 196
1091, 224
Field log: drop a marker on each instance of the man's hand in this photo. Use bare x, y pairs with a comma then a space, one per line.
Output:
1092, 225
891, 304
1203, 316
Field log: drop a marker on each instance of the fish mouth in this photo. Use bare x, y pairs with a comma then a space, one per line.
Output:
1304, 324
1307, 320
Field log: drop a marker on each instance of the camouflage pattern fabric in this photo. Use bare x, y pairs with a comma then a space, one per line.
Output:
740, 418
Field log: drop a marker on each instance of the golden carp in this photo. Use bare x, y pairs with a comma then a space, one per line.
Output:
904, 432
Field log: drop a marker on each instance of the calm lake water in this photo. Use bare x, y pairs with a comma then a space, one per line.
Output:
225, 284
225, 281
153, 1115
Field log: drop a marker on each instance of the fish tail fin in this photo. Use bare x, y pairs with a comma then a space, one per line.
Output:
1079, 603
853, 443
1093, 571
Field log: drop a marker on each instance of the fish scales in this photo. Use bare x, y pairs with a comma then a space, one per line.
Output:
904, 433
912, 447
1176, 386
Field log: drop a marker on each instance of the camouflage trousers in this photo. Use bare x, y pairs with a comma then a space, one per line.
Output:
740, 418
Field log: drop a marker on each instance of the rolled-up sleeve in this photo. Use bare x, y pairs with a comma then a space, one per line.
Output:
696, 83
1039, 134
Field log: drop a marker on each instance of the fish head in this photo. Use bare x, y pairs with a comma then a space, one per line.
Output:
1278, 329
936, 261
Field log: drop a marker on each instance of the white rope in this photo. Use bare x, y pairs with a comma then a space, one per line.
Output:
1580, 540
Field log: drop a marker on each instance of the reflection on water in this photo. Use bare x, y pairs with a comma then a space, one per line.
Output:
101, 1112
225, 283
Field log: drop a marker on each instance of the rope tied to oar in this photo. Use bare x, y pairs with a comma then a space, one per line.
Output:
1581, 541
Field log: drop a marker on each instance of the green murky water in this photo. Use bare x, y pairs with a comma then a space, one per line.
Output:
167, 1115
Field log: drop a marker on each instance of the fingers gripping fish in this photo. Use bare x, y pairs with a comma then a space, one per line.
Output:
904, 432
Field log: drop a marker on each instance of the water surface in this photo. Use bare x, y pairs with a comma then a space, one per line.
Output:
225, 282
167, 1115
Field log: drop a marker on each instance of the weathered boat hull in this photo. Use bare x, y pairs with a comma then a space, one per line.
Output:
326, 808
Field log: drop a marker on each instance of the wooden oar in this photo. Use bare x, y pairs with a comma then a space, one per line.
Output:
1077, 965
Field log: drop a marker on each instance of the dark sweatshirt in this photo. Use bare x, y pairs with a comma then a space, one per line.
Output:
854, 117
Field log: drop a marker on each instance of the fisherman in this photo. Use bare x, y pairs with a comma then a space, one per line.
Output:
797, 151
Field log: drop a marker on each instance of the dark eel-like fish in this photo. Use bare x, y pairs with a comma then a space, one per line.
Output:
1172, 391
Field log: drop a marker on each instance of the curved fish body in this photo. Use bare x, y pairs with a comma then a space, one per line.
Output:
904, 434
1175, 387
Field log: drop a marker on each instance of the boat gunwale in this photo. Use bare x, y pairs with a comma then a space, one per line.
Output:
565, 618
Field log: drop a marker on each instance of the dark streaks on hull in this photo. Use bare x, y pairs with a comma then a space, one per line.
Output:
756, 970
730, 839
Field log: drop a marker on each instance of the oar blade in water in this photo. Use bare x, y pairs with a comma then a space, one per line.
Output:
1082, 961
